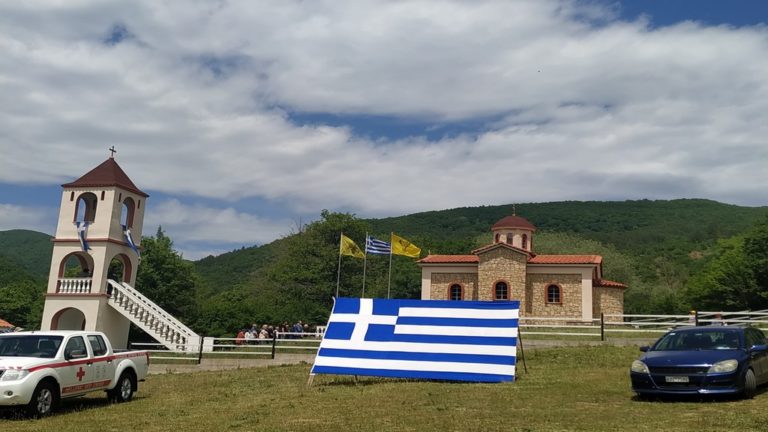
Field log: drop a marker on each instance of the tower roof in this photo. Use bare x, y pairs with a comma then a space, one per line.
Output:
513, 222
108, 173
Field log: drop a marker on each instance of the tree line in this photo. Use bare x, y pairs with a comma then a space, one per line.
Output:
700, 265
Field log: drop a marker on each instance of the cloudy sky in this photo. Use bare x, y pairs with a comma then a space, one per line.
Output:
241, 118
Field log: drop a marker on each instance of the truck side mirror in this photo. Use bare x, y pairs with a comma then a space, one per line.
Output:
75, 354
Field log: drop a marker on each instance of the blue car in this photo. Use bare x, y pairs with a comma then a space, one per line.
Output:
710, 360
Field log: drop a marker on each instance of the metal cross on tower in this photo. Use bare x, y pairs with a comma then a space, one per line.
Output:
112, 149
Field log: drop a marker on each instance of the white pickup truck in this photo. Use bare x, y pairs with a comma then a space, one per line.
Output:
38, 369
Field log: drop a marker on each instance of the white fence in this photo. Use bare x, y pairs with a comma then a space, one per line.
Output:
285, 342
603, 328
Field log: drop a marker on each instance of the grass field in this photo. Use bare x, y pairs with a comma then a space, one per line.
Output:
581, 388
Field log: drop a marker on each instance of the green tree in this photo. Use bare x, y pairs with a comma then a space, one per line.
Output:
756, 254
166, 278
726, 282
305, 276
21, 303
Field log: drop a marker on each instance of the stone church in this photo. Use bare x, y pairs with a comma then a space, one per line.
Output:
564, 286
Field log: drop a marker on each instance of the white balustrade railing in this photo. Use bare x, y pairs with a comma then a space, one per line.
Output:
74, 285
150, 317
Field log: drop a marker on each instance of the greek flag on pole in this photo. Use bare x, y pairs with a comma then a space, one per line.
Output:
82, 234
129, 240
373, 246
427, 339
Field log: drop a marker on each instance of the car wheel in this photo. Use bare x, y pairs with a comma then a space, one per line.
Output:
750, 384
43, 400
123, 391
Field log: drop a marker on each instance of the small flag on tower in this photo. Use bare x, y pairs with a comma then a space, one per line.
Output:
374, 246
129, 240
82, 234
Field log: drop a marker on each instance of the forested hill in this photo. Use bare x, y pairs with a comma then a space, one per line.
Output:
644, 229
30, 250
678, 230
672, 254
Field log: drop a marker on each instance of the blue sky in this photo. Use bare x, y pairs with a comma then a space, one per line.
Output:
242, 119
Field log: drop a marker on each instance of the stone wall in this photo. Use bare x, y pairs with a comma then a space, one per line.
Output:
502, 264
570, 294
606, 300
441, 282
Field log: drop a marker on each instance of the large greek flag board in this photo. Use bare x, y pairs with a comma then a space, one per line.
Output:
427, 339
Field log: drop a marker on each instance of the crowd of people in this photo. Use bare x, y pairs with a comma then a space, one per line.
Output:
256, 334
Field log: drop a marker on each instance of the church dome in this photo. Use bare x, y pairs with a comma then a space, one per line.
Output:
513, 222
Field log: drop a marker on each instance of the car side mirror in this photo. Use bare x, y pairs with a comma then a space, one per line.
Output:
75, 354
758, 348
644, 348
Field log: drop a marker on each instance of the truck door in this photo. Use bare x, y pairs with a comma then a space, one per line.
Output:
103, 365
76, 374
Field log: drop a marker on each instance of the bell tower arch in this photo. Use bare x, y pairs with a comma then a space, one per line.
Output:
100, 223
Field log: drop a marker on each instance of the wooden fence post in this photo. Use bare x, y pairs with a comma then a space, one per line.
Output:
602, 327
274, 343
200, 350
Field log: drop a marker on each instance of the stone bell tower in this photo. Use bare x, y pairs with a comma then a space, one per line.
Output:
101, 216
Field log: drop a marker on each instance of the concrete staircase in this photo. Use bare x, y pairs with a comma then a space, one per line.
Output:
148, 316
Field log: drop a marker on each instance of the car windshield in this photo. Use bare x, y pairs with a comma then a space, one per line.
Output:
30, 346
698, 340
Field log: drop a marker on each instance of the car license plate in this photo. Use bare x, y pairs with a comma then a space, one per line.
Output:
677, 379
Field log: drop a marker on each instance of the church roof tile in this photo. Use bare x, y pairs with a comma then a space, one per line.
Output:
566, 259
449, 259
108, 173
608, 284
513, 222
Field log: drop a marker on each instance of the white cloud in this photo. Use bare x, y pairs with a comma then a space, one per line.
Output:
194, 100
199, 231
30, 218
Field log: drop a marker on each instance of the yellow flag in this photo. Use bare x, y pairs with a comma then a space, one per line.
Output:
401, 246
349, 248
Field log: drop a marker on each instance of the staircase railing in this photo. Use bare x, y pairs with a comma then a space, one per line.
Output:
151, 318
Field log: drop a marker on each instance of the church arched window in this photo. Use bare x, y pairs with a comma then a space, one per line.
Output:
525, 241
456, 292
554, 294
85, 209
510, 238
126, 217
501, 291
497, 237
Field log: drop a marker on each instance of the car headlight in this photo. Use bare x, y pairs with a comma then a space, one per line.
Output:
13, 374
724, 366
639, 367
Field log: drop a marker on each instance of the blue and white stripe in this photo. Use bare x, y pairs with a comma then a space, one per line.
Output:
82, 235
374, 246
129, 240
429, 339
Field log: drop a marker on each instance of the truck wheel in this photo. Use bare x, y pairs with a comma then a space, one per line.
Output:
44, 400
123, 391
750, 385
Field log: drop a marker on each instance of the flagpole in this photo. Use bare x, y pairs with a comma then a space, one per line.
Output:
365, 262
338, 272
389, 278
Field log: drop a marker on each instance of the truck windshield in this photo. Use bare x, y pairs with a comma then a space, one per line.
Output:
30, 346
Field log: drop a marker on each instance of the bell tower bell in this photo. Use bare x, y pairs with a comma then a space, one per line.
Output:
97, 238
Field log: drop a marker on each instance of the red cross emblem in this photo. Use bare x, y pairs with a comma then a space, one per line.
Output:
80, 374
